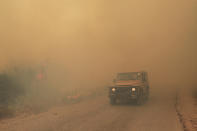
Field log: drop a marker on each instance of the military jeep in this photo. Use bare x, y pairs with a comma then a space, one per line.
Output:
130, 86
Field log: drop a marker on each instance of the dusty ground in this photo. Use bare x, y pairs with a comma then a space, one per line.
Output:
98, 115
187, 107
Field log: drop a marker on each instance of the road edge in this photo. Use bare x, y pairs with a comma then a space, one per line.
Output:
185, 122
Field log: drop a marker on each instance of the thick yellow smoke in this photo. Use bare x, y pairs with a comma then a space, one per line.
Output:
92, 40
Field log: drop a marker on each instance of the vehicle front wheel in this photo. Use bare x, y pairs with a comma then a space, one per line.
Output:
112, 101
140, 100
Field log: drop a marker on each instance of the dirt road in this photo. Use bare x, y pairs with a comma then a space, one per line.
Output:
97, 114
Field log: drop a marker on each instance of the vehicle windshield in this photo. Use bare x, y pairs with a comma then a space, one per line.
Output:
129, 76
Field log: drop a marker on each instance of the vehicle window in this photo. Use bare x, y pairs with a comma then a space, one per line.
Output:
129, 76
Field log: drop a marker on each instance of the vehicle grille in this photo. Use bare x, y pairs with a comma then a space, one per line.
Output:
123, 89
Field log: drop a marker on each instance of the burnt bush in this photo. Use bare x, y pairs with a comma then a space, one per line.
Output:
10, 89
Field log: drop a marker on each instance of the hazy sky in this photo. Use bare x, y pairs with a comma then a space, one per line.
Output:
96, 38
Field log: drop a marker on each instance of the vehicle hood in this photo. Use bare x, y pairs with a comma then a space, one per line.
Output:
128, 83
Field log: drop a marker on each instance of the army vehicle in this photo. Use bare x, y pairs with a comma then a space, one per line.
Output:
130, 86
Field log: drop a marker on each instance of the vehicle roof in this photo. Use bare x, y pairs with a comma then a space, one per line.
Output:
131, 72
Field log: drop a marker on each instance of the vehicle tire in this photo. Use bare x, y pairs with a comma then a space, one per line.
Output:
112, 101
140, 100
147, 95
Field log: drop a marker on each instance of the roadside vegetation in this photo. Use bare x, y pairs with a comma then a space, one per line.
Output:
31, 90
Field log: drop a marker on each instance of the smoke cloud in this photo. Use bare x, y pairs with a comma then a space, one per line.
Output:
90, 41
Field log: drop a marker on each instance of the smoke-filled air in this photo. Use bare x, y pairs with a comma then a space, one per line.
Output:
66, 52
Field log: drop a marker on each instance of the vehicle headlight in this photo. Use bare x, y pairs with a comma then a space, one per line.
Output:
133, 89
113, 89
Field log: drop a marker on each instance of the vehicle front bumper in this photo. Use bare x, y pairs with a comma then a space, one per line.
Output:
123, 96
